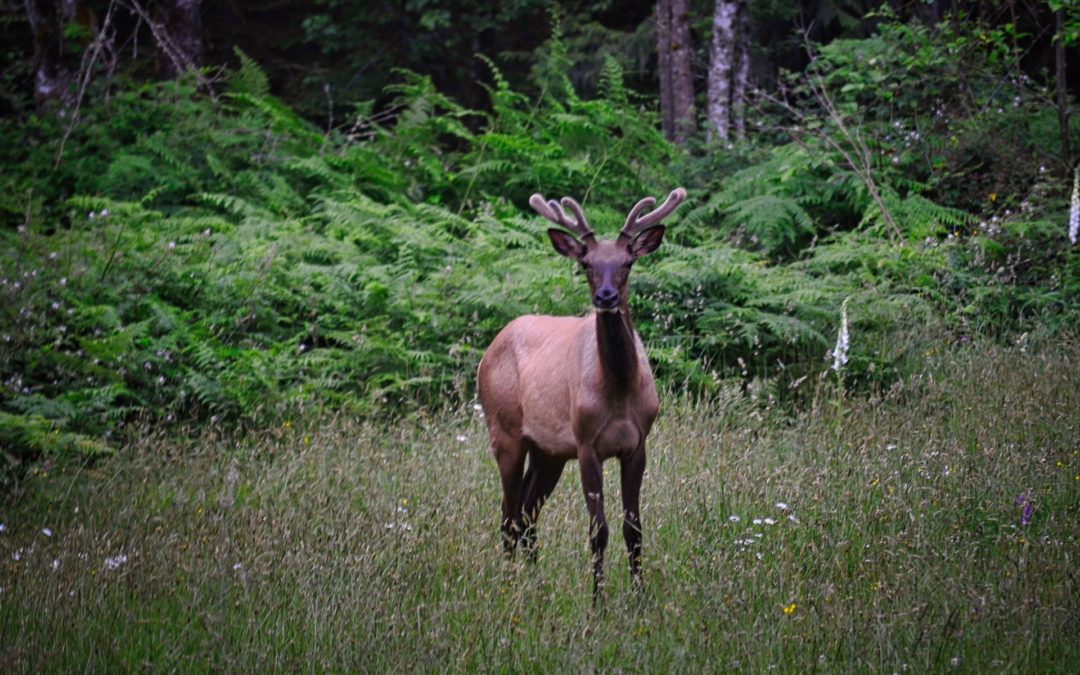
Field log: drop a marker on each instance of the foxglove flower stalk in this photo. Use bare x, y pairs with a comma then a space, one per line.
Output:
839, 352
1074, 208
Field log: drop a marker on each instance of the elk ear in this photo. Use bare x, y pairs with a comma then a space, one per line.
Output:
648, 241
565, 244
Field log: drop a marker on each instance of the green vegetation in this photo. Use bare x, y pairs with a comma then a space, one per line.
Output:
237, 357
222, 259
890, 538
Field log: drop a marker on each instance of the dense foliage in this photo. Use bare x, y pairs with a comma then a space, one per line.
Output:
177, 255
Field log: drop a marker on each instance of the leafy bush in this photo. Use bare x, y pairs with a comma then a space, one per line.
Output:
222, 260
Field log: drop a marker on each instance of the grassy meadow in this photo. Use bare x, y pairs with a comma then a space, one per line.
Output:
871, 533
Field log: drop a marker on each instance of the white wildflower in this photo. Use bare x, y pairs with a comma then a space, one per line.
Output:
172, 245
461, 438
770, 521
782, 506
734, 518
46, 531
115, 562
1074, 208
843, 341
237, 566
3, 527
756, 521
55, 564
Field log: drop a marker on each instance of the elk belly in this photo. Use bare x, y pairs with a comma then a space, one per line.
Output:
553, 444
616, 438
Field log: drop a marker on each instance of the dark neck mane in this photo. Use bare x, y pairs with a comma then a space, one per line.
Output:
617, 348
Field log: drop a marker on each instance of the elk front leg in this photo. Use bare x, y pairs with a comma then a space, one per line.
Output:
631, 471
592, 483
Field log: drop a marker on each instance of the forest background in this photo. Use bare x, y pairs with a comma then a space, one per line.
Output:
252, 253
234, 215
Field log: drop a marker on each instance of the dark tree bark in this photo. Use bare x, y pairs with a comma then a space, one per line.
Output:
182, 23
1062, 89
682, 76
54, 64
676, 78
663, 55
177, 29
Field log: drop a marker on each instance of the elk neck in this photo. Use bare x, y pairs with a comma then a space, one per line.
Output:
617, 347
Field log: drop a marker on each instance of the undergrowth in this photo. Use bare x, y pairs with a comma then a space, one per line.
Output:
220, 260
930, 527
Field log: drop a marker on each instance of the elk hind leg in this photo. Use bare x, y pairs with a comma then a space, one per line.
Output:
540, 480
511, 461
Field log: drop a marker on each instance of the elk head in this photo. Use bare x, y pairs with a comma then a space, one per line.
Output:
607, 263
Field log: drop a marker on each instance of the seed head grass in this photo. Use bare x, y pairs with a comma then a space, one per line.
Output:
882, 534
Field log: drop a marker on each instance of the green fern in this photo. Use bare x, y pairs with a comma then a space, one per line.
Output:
249, 78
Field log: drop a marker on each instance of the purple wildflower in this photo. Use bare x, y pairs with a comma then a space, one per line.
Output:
1024, 500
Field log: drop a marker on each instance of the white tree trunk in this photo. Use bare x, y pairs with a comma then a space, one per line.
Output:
721, 67
742, 69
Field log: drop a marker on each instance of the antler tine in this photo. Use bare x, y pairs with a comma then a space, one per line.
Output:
551, 210
631, 218
540, 205
634, 225
582, 227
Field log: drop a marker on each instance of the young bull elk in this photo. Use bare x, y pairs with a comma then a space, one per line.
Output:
559, 388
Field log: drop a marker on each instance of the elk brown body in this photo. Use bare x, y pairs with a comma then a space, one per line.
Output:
555, 389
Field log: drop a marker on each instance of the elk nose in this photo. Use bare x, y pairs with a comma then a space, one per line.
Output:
606, 297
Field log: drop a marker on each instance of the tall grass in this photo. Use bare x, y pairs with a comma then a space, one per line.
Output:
878, 534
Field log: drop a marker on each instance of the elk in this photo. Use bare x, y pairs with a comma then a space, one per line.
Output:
554, 389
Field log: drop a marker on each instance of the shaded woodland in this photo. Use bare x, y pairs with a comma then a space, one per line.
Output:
232, 212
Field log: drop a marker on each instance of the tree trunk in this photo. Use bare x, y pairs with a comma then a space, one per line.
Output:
682, 77
729, 70
721, 67
54, 64
742, 68
1062, 90
181, 39
663, 55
